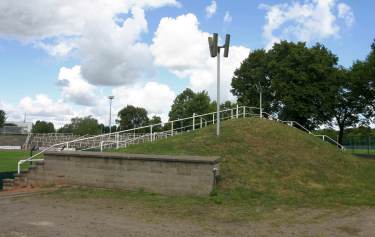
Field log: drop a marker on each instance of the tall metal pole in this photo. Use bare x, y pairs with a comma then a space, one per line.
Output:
111, 97
260, 103
218, 95
215, 52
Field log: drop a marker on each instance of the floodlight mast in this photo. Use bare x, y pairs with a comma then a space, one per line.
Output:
111, 97
215, 52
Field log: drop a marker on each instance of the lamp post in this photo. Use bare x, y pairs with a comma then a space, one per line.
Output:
111, 97
215, 52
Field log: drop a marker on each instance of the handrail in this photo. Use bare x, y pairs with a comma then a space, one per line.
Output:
308, 131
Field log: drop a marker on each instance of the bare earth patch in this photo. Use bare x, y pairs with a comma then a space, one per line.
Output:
49, 215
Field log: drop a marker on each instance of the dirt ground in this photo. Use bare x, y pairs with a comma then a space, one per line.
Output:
52, 216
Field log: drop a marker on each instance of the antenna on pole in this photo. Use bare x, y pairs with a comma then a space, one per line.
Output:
215, 52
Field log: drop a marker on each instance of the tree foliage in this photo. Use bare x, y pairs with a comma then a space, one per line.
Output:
43, 127
297, 82
82, 126
155, 120
132, 117
305, 84
2, 118
250, 78
352, 98
189, 102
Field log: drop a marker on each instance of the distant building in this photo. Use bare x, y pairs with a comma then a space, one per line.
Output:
16, 128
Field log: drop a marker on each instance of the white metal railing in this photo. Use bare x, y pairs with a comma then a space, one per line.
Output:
298, 125
158, 131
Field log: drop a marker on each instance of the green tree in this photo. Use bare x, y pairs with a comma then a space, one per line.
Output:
352, 98
82, 126
297, 82
43, 127
304, 82
250, 78
188, 102
2, 118
156, 120
132, 117
105, 128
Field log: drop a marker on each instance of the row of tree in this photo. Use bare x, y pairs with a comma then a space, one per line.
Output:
2, 118
306, 84
299, 83
184, 105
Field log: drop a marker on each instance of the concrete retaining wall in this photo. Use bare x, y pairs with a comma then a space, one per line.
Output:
12, 140
177, 175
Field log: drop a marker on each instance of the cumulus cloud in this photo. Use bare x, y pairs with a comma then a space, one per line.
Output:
211, 9
42, 105
108, 44
310, 21
346, 13
227, 17
156, 98
180, 46
112, 55
30, 20
74, 88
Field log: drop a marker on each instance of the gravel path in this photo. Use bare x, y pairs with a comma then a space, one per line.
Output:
45, 216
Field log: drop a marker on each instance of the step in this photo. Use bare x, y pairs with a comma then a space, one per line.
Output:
8, 184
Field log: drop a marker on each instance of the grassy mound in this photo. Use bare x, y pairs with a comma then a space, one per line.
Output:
265, 163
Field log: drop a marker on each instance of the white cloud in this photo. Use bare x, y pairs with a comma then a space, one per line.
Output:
211, 9
75, 88
42, 105
112, 55
59, 48
313, 20
106, 39
227, 17
154, 97
346, 13
180, 46
39, 19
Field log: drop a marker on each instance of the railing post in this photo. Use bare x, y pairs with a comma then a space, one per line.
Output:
324, 137
172, 128
101, 146
151, 133
244, 111
231, 113
237, 111
193, 121
213, 118
67, 145
117, 140
201, 123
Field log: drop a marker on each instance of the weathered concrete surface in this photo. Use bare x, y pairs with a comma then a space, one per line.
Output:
176, 175
12, 139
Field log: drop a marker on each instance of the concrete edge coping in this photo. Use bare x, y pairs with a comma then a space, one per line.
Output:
126, 156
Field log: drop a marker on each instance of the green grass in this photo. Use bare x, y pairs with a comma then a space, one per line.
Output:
9, 159
361, 151
265, 163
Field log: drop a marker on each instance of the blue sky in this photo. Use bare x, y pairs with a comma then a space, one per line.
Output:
57, 66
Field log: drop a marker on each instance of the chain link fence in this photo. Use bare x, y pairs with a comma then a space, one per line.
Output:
364, 145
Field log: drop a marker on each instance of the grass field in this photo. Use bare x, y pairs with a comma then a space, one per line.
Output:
362, 151
265, 167
265, 163
9, 159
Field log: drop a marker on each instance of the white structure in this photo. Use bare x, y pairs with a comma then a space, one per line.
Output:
18, 128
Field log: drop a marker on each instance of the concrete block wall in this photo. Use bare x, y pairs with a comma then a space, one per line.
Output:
12, 139
176, 175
